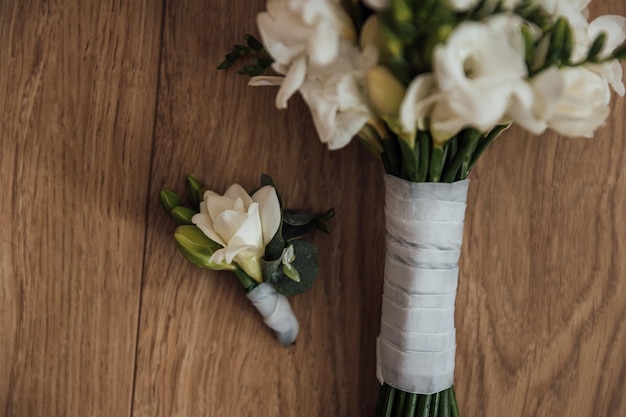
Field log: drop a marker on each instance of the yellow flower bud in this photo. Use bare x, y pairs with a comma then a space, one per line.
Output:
372, 34
385, 92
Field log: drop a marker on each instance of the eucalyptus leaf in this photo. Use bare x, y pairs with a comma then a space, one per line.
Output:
291, 233
306, 264
295, 218
271, 269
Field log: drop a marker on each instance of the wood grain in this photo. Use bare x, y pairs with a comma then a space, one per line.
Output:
104, 103
78, 93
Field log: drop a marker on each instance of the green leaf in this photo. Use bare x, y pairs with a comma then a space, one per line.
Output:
296, 218
232, 56
275, 247
306, 264
291, 233
267, 180
197, 247
296, 225
183, 214
225, 64
253, 43
271, 269
169, 200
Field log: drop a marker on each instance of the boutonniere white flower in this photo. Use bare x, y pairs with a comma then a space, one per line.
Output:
253, 237
242, 224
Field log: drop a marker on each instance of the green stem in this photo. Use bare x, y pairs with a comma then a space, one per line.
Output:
444, 407
411, 405
482, 145
248, 283
385, 403
423, 406
470, 140
399, 404
380, 403
434, 408
425, 143
453, 404
436, 163
392, 155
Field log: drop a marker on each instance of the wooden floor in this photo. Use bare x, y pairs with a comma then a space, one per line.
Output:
103, 103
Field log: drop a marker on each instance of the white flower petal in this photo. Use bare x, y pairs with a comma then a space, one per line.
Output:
229, 253
615, 29
205, 223
216, 204
228, 223
249, 231
417, 101
266, 81
237, 191
269, 211
292, 82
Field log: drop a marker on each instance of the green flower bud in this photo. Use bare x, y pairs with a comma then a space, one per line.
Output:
198, 248
183, 214
195, 189
169, 200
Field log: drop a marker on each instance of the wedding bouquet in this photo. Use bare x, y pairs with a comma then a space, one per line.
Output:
427, 85
252, 236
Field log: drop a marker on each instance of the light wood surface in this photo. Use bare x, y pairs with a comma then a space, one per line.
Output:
104, 103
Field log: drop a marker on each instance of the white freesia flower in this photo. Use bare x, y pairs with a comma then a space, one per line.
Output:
477, 73
301, 32
576, 11
573, 101
334, 94
614, 27
243, 225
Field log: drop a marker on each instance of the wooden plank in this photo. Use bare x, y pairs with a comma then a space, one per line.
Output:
77, 100
203, 349
541, 300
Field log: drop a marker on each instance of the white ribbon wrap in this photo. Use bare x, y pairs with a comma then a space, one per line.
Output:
416, 346
276, 311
